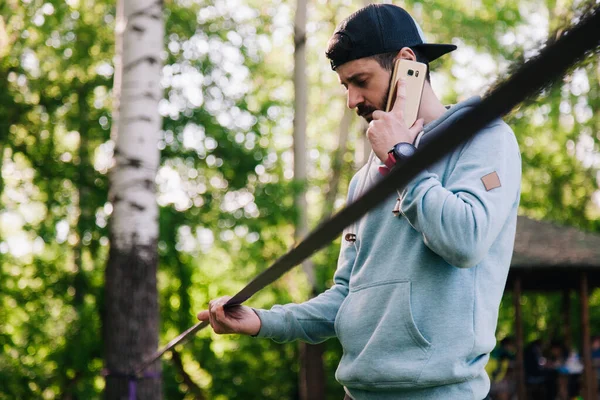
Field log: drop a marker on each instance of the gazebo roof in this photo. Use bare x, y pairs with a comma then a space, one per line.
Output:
548, 256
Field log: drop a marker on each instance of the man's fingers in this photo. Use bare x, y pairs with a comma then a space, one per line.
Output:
218, 308
203, 315
398, 108
211, 315
377, 114
213, 305
417, 126
220, 312
370, 129
216, 315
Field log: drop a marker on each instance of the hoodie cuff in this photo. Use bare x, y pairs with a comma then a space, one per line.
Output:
269, 321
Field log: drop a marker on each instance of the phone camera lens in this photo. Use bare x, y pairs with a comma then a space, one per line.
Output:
410, 72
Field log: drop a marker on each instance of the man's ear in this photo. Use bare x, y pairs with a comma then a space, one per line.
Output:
406, 53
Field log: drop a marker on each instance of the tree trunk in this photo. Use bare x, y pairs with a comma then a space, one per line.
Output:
363, 146
300, 104
131, 314
312, 372
337, 163
311, 377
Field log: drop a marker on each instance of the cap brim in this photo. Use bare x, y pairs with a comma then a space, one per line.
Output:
433, 50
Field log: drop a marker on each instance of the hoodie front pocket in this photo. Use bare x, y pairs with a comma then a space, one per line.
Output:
382, 345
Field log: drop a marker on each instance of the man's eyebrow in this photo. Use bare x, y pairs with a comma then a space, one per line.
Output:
354, 78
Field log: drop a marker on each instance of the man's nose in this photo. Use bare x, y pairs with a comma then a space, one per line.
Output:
354, 98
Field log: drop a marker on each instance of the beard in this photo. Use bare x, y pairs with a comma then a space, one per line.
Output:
365, 110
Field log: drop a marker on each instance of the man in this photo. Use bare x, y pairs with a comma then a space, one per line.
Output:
596, 359
499, 369
416, 293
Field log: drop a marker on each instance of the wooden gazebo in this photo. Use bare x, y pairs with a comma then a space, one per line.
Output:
548, 257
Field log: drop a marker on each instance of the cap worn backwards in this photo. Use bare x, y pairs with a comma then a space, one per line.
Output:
376, 29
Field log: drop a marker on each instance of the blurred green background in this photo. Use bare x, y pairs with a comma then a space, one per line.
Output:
225, 184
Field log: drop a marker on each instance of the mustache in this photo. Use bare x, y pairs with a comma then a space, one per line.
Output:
363, 109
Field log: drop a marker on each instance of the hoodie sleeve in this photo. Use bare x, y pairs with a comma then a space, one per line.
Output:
312, 321
461, 219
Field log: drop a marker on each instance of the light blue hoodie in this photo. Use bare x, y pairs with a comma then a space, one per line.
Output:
415, 298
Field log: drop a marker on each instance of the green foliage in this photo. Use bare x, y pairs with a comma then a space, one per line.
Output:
225, 186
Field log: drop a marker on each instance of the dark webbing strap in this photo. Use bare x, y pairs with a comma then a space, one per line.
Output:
132, 379
551, 63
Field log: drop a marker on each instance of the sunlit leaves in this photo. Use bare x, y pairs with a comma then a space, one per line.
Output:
225, 184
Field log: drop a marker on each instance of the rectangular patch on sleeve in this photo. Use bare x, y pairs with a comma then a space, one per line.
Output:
491, 181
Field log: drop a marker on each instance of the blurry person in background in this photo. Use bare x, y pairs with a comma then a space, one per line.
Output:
500, 368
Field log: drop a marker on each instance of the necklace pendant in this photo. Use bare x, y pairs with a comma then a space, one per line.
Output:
396, 210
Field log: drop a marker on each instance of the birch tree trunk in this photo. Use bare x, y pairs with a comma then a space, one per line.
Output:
131, 320
312, 373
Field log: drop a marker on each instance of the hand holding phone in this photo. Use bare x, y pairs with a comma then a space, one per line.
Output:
399, 123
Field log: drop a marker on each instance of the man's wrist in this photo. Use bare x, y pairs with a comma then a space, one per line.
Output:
390, 161
402, 151
256, 330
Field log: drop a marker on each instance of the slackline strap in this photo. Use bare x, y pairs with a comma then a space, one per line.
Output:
551, 63
132, 379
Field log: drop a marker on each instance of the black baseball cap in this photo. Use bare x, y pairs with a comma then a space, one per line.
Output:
377, 29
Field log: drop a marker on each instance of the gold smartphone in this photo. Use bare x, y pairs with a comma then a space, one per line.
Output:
414, 74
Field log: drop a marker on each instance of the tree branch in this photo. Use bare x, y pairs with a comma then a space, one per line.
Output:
192, 386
